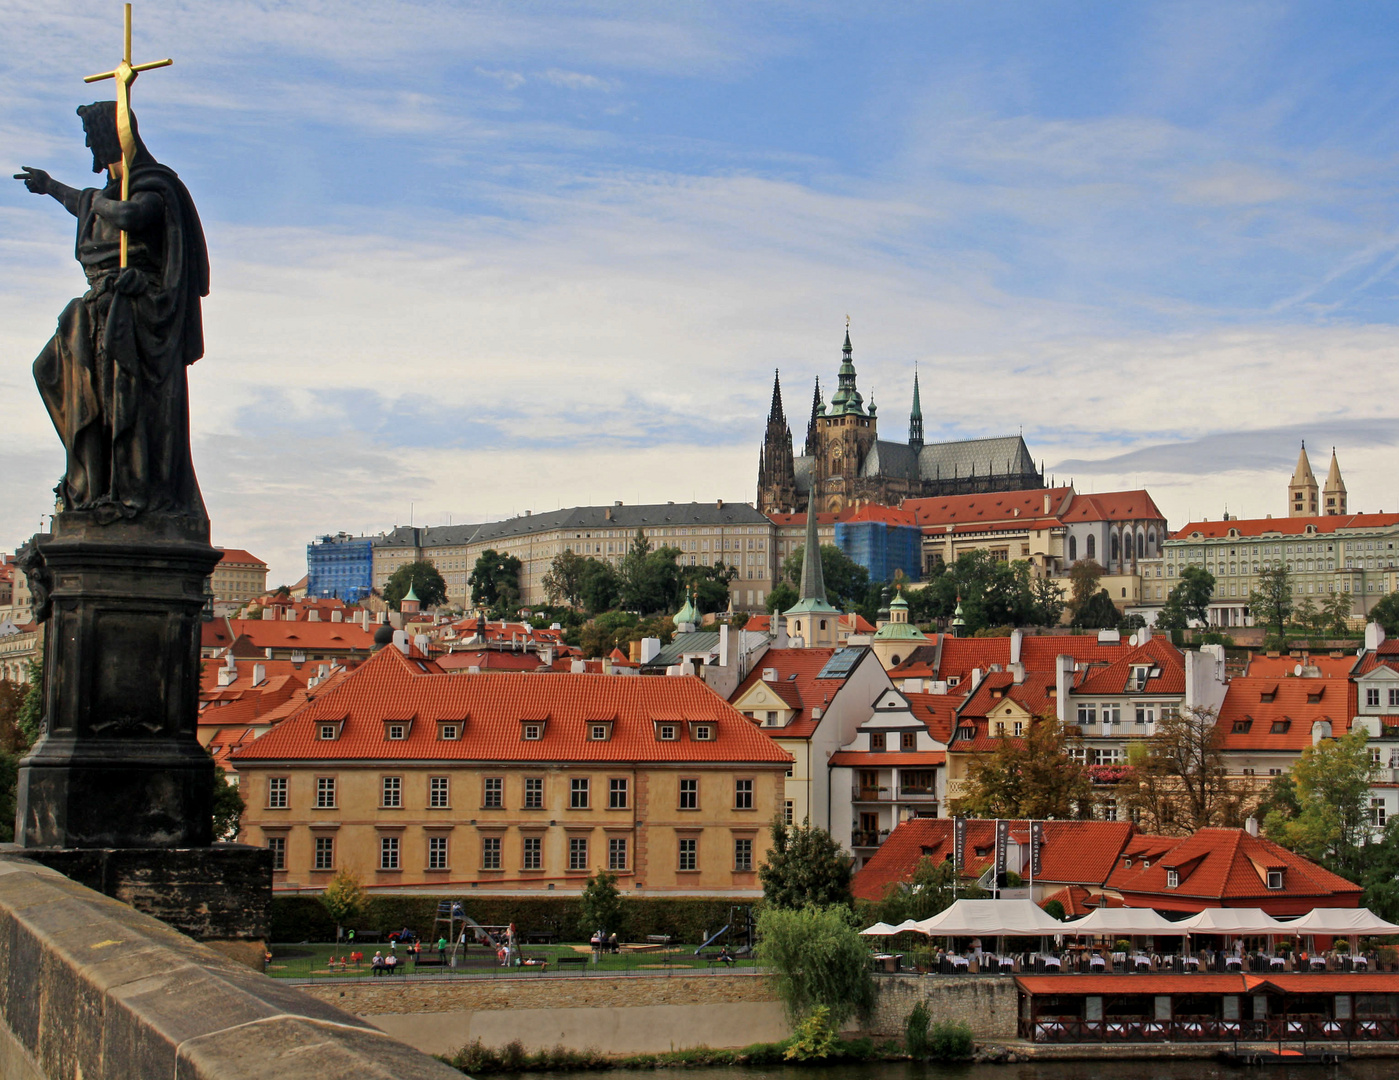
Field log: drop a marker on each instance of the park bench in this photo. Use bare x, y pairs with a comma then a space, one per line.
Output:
541, 937
367, 935
572, 961
713, 958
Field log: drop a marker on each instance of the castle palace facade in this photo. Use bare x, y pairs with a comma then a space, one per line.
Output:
845, 464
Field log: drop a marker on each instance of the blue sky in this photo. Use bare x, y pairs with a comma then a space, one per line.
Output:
482, 258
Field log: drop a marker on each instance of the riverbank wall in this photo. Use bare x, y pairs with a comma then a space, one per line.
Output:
643, 1015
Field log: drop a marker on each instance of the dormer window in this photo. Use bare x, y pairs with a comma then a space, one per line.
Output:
1146, 864
703, 733
1172, 879
531, 732
1275, 879
330, 731
953, 680
1241, 726
1279, 727
599, 732
1267, 696
395, 732
448, 731
666, 732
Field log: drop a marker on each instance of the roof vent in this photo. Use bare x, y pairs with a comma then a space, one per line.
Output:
769, 674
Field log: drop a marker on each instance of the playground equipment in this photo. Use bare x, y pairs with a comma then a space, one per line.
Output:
743, 929
458, 922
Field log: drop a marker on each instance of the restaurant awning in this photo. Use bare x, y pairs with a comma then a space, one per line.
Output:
991, 918
1232, 921
879, 929
1344, 921
1122, 921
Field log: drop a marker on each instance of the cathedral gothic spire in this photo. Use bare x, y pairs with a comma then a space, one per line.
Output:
915, 418
1333, 495
817, 408
777, 476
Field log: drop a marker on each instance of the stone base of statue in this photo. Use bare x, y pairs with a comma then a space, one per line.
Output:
218, 893
119, 764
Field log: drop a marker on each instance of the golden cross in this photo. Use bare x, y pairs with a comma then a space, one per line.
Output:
124, 74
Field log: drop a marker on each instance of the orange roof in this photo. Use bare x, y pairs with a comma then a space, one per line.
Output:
1228, 868
915, 759
215, 634
1075, 900
226, 742
491, 709
1279, 667
797, 684
1033, 695
1113, 506
856, 623
759, 624
1143, 983
1074, 852
1288, 526
1158, 653
948, 657
490, 660
937, 711
318, 636
1019, 509
1277, 714
240, 557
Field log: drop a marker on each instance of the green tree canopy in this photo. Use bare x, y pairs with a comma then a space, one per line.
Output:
1097, 612
992, 592
600, 907
1188, 603
1334, 612
1386, 612
427, 584
649, 578
1271, 600
1332, 785
495, 582
564, 578
344, 898
1380, 876
1034, 776
847, 582
228, 807
804, 866
782, 597
598, 586
819, 959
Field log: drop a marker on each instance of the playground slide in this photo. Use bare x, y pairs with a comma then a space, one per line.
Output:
712, 940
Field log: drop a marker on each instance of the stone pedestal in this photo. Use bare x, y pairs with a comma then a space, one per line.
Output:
119, 765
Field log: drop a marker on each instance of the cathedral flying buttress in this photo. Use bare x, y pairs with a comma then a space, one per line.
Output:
846, 465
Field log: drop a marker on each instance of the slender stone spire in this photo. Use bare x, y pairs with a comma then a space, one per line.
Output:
775, 414
812, 439
1334, 493
847, 398
915, 418
1302, 489
813, 580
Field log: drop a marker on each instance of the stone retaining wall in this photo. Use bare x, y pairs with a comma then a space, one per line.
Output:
989, 1004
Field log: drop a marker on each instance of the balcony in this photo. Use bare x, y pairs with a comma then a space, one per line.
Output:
870, 794
868, 838
918, 792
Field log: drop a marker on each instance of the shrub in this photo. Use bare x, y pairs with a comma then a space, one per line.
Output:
916, 1031
814, 1037
950, 1040
819, 960
1055, 909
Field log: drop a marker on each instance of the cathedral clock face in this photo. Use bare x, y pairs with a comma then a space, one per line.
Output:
837, 452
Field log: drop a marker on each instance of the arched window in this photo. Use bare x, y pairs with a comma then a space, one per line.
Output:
1073, 549
1151, 541
1116, 547
1141, 545
1092, 546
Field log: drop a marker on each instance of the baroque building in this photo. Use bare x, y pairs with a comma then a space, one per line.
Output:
846, 464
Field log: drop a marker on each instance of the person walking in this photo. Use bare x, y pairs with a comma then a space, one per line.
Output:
442, 951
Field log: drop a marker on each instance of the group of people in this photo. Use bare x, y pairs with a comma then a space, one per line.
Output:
602, 942
384, 965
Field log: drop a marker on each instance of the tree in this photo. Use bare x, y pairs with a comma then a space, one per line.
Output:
1381, 874
1192, 595
1035, 776
1386, 612
1084, 576
1305, 613
598, 585
804, 866
847, 582
710, 584
649, 579
427, 583
600, 907
1046, 602
1271, 601
1332, 785
930, 889
992, 592
31, 713
564, 578
1179, 782
819, 959
495, 582
228, 807
1098, 612
344, 899
782, 597
1335, 611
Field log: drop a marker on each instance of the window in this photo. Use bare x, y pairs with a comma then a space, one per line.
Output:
597, 732
689, 853
396, 731
1372, 696
1110, 810
325, 853
908, 740
447, 731
325, 792
533, 853
533, 731
1275, 879
438, 793
578, 853
1376, 813
665, 732
743, 794
437, 853
743, 854
1172, 879
392, 792
689, 794
788, 810
617, 793
388, 853
704, 733
277, 793
1087, 714
490, 853
493, 792
1394, 696
617, 853
278, 846
1112, 714
1019, 728
534, 793
327, 731
876, 740
1146, 714
578, 793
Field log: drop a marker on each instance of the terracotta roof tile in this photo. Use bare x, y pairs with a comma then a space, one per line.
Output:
912, 759
1277, 714
1279, 667
1158, 654
802, 693
315, 636
1292, 526
240, 557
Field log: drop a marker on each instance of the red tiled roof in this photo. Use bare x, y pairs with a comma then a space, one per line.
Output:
1020, 509
1075, 900
759, 624
1113, 506
240, 557
1074, 852
1227, 868
912, 759
1287, 526
937, 711
948, 657
491, 707
1158, 653
1143, 983
214, 634
1246, 721
317, 636
856, 623
1279, 667
1032, 695
490, 660
802, 693
226, 742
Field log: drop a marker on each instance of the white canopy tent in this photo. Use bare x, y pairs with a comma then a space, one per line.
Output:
1342, 922
1123, 922
907, 924
1232, 921
991, 918
880, 929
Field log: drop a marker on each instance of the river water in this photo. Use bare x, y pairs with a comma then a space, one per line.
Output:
1366, 1069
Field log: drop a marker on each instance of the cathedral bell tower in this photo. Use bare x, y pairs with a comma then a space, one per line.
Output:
777, 477
845, 433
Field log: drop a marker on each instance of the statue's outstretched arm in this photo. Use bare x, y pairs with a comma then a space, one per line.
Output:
41, 183
141, 210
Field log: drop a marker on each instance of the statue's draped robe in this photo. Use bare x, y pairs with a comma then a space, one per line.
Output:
113, 376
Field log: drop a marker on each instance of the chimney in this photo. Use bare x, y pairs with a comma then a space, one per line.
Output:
780, 641
400, 641
577, 667
1017, 638
381, 618
1063, 681
421, 643
229, 672
337, 615
269, 614
1143, 635
1374, 636
267, 652
1252, 826
259, 674
723, 644
607, 513
976, 677
769, 674
1046, 504
718, 504
650, 649
313, 614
